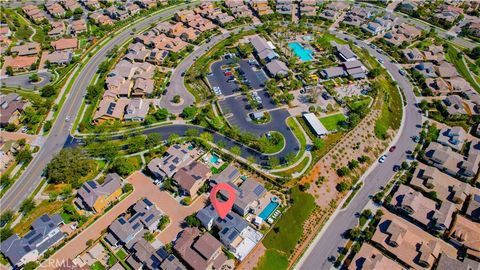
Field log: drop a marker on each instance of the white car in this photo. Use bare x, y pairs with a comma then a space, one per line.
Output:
382, 159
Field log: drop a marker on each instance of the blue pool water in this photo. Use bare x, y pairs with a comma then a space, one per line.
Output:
268, 210
301, 52
214, 159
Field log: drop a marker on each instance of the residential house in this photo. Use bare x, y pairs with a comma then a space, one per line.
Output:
199, 252
55, 9
26, 49
427, 69
248, 195
93, 196
473, 210
110, 109
409, 243
261, 7
71, 5
78, 27
413, 55
238, 8
191, 178
176, 157
145, 256
466, 233
20, 63
371, 258
355, 69
228, 175
11, 108
452, 263
59, 57
8, 149
315, 125
234, 231
92, 4
137, 110
408, 6
100, 19
308, 8
446, 70
422, 209
127, 230
58, 29
446, 188
65, 44
438, 85
45, 233
453, 163
284, 7
34, 13
453, 137
172, 263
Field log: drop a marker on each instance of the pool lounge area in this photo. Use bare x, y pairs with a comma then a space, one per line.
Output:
301, 52
269, 209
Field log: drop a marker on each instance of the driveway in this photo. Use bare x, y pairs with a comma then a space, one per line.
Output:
143, 188
23, 80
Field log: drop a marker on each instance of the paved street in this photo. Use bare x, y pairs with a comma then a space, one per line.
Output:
24, 82
143, 188
330, 240
60, 131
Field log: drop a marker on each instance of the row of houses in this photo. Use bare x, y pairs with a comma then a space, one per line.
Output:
437, 200
122, 11
24, 56
305, 8
350, 65
265, 51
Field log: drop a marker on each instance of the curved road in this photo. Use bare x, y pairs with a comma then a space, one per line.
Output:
23, 80
31, 177
330, 240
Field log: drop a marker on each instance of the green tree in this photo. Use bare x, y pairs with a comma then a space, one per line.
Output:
6, 217
191, 132
176, 99
136, 144
163, 223
343, 186
236, 150
5, 180
207, 136
27, 206
69, 166
161, 114
34, 77
5, 233
127, 188
123, 167
153, 140
173, 138
273, 161
48, 91
189, 112
23, 156
192, 221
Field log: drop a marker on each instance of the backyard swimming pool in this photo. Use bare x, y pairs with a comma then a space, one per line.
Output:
214, 159
268, 210
301, 52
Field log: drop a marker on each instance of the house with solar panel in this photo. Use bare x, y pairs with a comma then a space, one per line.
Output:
176, 157
126, 230
44, 234
234, 231
93, 196
248, 195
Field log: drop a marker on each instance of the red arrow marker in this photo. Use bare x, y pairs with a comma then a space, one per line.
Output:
222, 207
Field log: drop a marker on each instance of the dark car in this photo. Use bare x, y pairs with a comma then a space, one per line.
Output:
396, 168
392, 148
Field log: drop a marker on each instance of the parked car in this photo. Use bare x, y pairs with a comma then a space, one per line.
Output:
382, 159
396, 168
392, 149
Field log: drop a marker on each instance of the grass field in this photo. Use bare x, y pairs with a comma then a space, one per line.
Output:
45, 207
291, 171
274, 148
272, 260
332, 122
287, 232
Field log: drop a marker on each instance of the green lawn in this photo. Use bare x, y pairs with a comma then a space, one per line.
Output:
288, 230
121, 254
332, 122
274, 148
295, 169
272, 260
97, 266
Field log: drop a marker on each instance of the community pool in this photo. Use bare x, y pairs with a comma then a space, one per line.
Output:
268, 210
301, 52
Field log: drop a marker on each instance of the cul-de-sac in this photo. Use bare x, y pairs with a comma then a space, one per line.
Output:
240, 134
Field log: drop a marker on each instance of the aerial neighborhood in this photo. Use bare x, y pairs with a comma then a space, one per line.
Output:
239, 134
